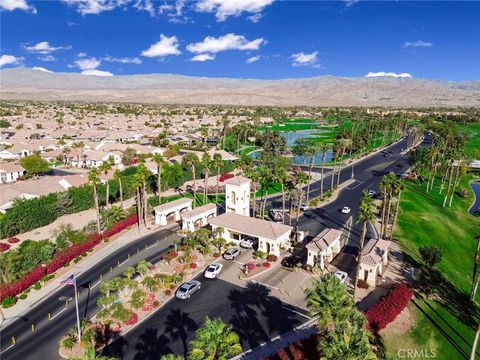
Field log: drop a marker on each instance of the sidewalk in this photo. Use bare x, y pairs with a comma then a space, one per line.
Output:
101, 252
269, 348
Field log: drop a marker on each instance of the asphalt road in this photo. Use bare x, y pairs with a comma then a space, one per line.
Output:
256, 316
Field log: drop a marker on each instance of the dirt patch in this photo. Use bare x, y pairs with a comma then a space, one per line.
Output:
403, 323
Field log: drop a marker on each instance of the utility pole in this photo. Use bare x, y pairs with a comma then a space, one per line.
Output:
76, 306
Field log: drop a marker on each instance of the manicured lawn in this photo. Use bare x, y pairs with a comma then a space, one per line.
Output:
444, 324
473, 145
292, 125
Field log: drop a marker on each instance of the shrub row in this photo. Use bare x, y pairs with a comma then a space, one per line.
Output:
62, 258
389, 307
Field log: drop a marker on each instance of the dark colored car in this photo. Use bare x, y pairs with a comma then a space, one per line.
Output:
292, 262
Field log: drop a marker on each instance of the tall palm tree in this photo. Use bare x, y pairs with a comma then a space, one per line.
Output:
93, 180
476, 272
160, 161
217, 163
191, 160
143, 175
206, 163
329, 302
392, 181
253, 174
280, 174
215, 340
117, 175
367, 214
105, 167
344, 144
398, 194
324, 149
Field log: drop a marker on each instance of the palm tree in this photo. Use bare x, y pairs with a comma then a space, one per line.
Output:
159, 160
476, 273
344, 143
117, 175
398, 193
215, 340
93, 180
90, 354
105, 167
252, 173
172, 357
206, 163
367, 214
143, 174
475, 343
329, 302
142, 268
217, 162
191, 160
280, 164
323, 148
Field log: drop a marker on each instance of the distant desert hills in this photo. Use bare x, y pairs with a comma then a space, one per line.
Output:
29, 84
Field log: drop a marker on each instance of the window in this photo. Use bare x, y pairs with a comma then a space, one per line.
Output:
233, 197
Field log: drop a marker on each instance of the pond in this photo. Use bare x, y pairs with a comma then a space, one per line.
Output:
476, 205
291, 137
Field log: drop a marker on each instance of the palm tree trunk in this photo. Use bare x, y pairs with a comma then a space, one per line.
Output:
145, 203
387, 218
340, 167
333, 172
139, 207
97, 207
194, 186
476, 275
397, 208
309, 178
218, 181
384, 202
359, 256
449, 185
205, 190
283, 203
121, 191
475, 343
321, 172
159, 184
454, 185
444, 177
107, 194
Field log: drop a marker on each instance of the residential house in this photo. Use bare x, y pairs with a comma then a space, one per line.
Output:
10, 172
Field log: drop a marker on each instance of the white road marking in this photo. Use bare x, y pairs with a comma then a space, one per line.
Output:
96, 284
359, 183
8, 348
297, 312
149, 247
122, 263
267, 285
238, 262
61, 311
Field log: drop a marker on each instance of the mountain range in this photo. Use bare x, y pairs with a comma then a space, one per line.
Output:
31, 84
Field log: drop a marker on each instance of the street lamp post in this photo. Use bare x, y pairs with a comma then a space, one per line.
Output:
76, 306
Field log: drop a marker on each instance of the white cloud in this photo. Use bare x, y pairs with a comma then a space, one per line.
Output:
82, 54
223, 43
47, 58
174, 12
10, 5
166, 46
88, 7
145, 5
71, 23
9, 60
44, 47
418, 43
39, 68
390, 74
124, 60
226, 8
252, 59
203, 57
88, 63
94, 72
349, 3
305, 59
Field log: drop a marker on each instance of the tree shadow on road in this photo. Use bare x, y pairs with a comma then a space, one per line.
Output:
152, 345
179, 325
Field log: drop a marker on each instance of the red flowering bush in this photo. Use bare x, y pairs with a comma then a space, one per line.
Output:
151, 267
272, 258
194, 257
133, 319
362, 284
250, 266
193, 266
266, 264
60, 259
4, 247
305, 349
389, 307
13, 240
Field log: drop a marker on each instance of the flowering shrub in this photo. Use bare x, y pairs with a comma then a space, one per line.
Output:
194, 257
60, 259
168, 292
150, 302
362, 284
151, 267
250, 266
388, 307
266, 264
13, 240
305, 349
272, 258
133, 319
216, 255
193, 266
185, 248
4, 247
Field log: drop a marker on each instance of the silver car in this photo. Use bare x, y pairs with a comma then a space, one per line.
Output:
187, 289
231, 254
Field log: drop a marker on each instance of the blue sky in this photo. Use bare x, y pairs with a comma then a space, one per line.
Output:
244, 38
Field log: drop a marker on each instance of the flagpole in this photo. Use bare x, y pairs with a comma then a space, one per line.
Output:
76, 305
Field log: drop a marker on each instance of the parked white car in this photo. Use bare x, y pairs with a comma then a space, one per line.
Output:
231, 254
346, 210
371, 192
304, 207
247, 243
341, 275
212, 271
